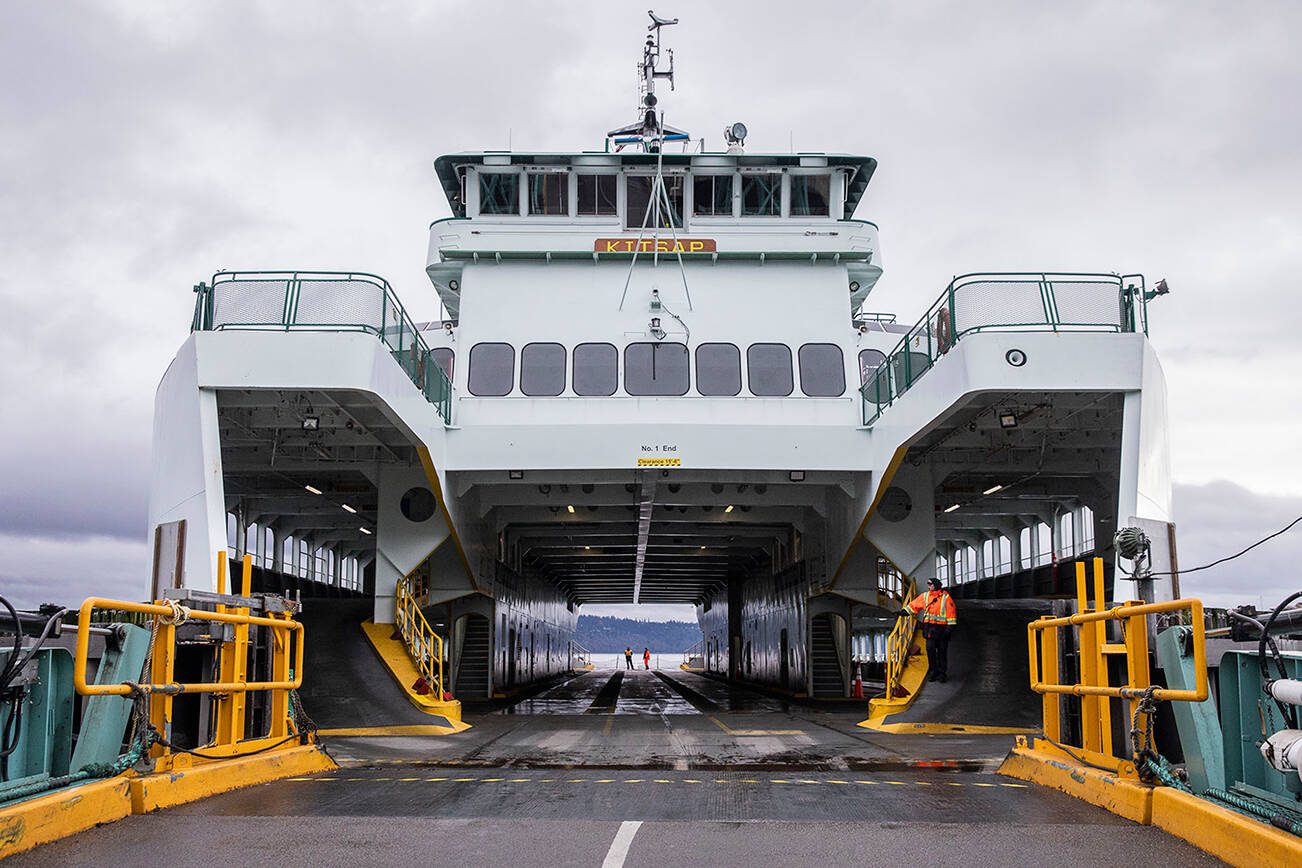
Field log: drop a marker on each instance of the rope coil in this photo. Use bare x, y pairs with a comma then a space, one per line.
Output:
179, 614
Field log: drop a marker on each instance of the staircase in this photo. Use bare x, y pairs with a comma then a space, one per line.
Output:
825, 661
472, 667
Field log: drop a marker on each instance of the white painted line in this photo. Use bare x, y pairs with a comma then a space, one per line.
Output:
618, 851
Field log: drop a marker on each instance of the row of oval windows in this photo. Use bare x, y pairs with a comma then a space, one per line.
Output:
652, 369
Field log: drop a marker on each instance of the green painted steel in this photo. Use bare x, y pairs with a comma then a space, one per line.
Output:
104, 718
1247, 713
1196, 722
43, 741
323, 301
1009, 302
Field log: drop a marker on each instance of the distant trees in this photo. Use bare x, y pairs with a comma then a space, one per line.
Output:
608, 635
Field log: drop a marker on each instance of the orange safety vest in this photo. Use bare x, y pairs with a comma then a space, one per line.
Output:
935, 607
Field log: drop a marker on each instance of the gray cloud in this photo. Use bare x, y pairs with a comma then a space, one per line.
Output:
143, 146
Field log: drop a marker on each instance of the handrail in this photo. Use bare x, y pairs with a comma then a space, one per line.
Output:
1043, 301
264, 300
423, 645
229, 694
580, 653
1094, 648
899, 642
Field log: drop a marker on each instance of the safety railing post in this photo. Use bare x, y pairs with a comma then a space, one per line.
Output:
161, 671
1101, 664
1049, 675
1087, 660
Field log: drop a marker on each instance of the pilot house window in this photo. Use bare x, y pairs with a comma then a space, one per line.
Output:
499, 193
712, 195
810, 195
597, 195
549, 193
718, 369
761, 194
643, 210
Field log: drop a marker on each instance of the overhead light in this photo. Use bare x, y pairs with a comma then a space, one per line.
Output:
992, 489
348, 508
702, 548
796, 476
311, 423
365, 531
728, 508
312, 489
952, 508
587, 548
569, 507
515, 474
1007, 420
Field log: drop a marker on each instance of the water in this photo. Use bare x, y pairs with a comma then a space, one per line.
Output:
616, 661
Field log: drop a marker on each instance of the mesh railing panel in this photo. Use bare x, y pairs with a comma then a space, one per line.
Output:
339, 303
982, 304
248, 302
1088, 303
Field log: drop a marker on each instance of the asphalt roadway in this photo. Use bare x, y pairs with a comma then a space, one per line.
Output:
662, 770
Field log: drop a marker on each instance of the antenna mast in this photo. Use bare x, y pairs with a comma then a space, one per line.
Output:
649, 130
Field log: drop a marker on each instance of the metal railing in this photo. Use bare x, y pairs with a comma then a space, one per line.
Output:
694, 657
323, 301
899, 644
423, 645
580, 657
1093, 688
230, 688
1018, 302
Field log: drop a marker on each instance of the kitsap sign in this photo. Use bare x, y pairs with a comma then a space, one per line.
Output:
653, 245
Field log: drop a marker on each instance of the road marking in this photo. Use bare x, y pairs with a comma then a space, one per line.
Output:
436, 779
618, 851
610, 722
753, 732
493, 780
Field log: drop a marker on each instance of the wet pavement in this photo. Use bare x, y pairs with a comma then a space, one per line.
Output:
678, 768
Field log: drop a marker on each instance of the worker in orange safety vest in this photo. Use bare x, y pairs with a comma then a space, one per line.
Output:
935, 609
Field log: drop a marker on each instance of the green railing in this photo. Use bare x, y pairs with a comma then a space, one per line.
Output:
1017, 302
323, 301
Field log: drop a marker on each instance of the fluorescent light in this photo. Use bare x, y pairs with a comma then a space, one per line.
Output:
312, 489
569, 507
365, 531
348, 508
702, 548
992, 489
587, 548
729, 508
952, 508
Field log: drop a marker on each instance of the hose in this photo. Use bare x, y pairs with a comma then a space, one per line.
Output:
1288, 712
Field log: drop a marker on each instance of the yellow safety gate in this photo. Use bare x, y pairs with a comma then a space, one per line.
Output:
1093, 689
229, 692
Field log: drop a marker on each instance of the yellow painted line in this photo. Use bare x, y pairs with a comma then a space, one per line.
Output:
866, 782
721, 780
748, 781
414, 729
806, 782
690, 781
634, 780
436, 779
519, 780
407, 780
491, 780
610, 722
299, 779
838, 782
604, 781
663, 781
778, 781
923, 783
576, 780
547, 780
1014, 786
896, 783
983, 785
953, 784
459, 780
753, 732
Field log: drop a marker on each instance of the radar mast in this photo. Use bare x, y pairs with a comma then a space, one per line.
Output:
650, 131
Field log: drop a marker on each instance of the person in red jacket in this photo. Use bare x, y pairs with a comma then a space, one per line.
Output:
646, 658
936, 610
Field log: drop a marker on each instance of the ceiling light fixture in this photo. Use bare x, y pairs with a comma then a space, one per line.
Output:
796, 476
952, 508
311, 423
348, 508
570, 508
312, 489
992, 489
365, 531
728, 508
1007, 419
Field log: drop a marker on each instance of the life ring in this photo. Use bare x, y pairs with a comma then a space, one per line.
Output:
942, 330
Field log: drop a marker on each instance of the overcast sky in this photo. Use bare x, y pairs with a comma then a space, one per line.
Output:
145, 145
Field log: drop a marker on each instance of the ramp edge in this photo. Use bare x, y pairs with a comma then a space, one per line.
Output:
1225, 834
393, 654
59, 814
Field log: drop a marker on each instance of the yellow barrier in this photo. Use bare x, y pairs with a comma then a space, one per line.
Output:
423, 644
1093, 688
899, 642
229, 693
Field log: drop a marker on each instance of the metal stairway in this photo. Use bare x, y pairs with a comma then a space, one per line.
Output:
473, 662
824, 660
